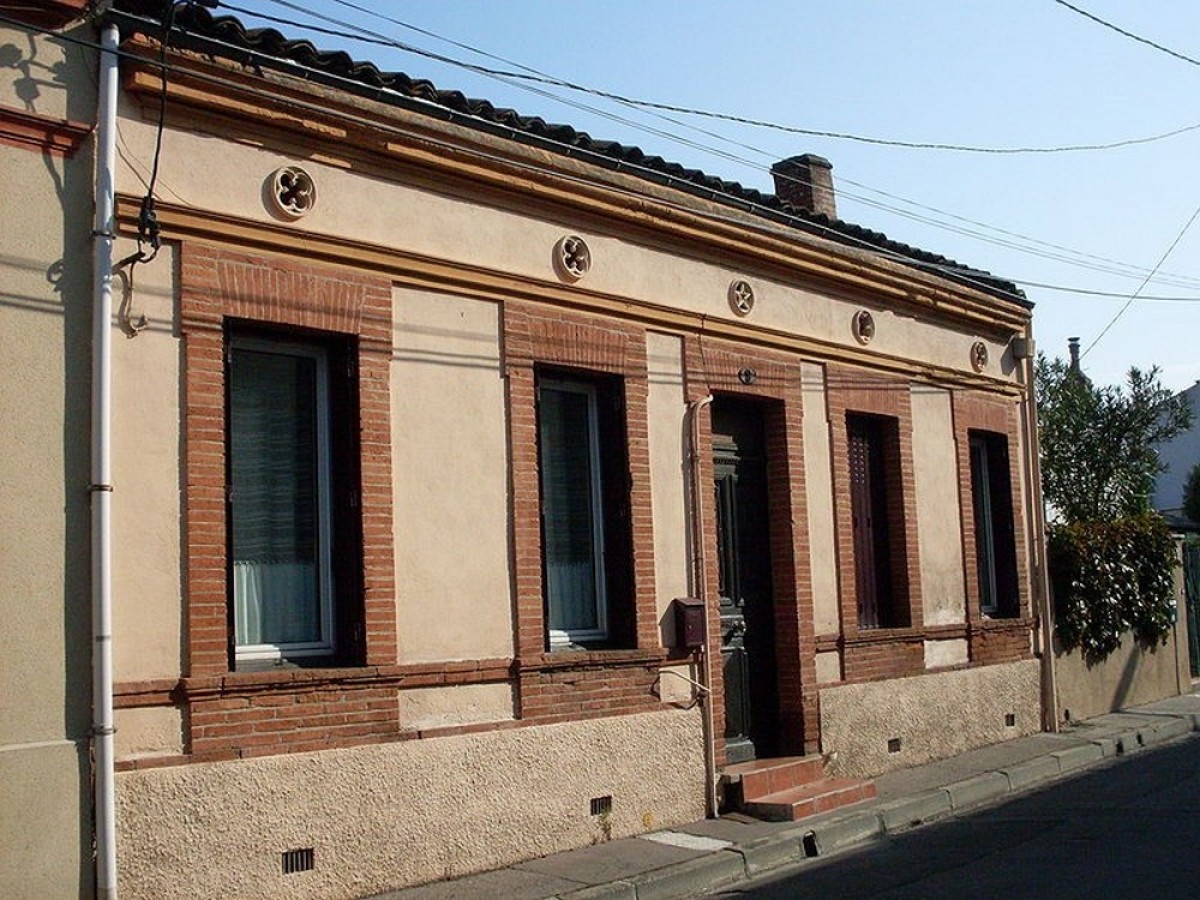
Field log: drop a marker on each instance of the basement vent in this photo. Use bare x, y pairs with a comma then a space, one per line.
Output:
602, 805
298, 861
1010, 719
894, 745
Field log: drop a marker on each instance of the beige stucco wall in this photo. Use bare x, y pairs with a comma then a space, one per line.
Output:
450, 468
147, 472
1131, 675
150, 731
818, 484
388, 815
45, 320
933, 715
943, 653
357, 203
465, 704
665, 408
939, 520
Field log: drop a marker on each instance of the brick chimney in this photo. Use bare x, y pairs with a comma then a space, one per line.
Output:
806, 182
1073, 349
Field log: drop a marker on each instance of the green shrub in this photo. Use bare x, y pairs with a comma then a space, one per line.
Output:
1109, 578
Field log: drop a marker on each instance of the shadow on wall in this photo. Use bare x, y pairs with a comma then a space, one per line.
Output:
1131, 675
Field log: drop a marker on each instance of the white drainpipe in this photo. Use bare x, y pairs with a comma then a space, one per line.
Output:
102, 657
700, 584
1036, 516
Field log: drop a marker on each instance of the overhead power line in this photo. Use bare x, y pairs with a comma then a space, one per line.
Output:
964, 275
1128, 34
1162, 259
534, 76
1009, 240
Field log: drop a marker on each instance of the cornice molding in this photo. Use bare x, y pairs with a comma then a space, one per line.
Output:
358, 133
41, 134
407, 269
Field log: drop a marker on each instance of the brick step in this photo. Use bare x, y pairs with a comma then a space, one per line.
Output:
810, 799
749, 781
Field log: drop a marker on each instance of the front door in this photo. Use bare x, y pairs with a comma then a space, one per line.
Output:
744, 562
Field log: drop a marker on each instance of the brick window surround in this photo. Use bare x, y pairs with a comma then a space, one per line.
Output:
218, 285
1002, 639
713, 368
877, 652
568, 684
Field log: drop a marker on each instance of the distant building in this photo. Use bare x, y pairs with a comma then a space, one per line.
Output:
1179, 455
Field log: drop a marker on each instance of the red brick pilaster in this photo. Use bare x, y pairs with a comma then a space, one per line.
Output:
992, 640
714, 367
216, 285
851, 390
533, 336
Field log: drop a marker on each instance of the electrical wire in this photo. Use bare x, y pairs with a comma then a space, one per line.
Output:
1026, 244
967, 276
541, 77
1162, 259
1128, 34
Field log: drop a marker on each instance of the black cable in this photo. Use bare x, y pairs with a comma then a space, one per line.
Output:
964, 275
1128, 34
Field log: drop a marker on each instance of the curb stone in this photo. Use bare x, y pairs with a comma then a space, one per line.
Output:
1031, 772
1078, 757
614, 890
912, 811
1164, 731
847, 831
692, 877
978, 789
771, 851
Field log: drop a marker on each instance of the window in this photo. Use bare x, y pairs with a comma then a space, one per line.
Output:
284, 509
995, 543
584, 507
874, 476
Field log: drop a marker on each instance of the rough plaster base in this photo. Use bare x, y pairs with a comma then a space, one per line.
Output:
934, 716
385, 816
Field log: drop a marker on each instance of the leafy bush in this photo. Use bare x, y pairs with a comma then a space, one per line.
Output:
1109, 578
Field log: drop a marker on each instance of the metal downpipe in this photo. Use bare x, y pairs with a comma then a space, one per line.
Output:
103, 728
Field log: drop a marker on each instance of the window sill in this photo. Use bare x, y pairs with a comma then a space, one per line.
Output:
592, 659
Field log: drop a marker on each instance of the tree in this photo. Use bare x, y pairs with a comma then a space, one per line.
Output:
1098, 444
1191, 495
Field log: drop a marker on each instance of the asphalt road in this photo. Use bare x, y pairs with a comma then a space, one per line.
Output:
1130, 829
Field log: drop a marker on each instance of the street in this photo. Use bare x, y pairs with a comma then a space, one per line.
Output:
1131, 829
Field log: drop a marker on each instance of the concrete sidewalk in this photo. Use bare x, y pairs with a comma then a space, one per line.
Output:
691, 859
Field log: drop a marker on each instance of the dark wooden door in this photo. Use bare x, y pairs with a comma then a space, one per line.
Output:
1191, 581
746, 601
868, 510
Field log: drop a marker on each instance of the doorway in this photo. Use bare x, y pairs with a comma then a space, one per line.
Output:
747, 605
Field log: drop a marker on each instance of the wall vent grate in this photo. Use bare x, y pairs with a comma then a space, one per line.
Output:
601, 805
302, 860
1010, 720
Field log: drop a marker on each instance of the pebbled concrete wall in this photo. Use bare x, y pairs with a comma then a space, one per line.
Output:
385, 816
934, 716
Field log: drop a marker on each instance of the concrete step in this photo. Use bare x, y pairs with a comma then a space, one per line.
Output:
749, 781
810, 799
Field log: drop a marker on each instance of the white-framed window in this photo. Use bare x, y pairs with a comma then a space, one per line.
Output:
280, 525
572, 504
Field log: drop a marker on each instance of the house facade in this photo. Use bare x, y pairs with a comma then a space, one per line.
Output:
426, 421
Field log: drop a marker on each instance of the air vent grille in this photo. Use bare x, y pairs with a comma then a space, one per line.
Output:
302, 860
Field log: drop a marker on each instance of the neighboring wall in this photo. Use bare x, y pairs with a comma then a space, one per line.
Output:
46, 91
1131, 675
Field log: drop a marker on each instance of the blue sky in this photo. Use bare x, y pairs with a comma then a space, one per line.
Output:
1023, 73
